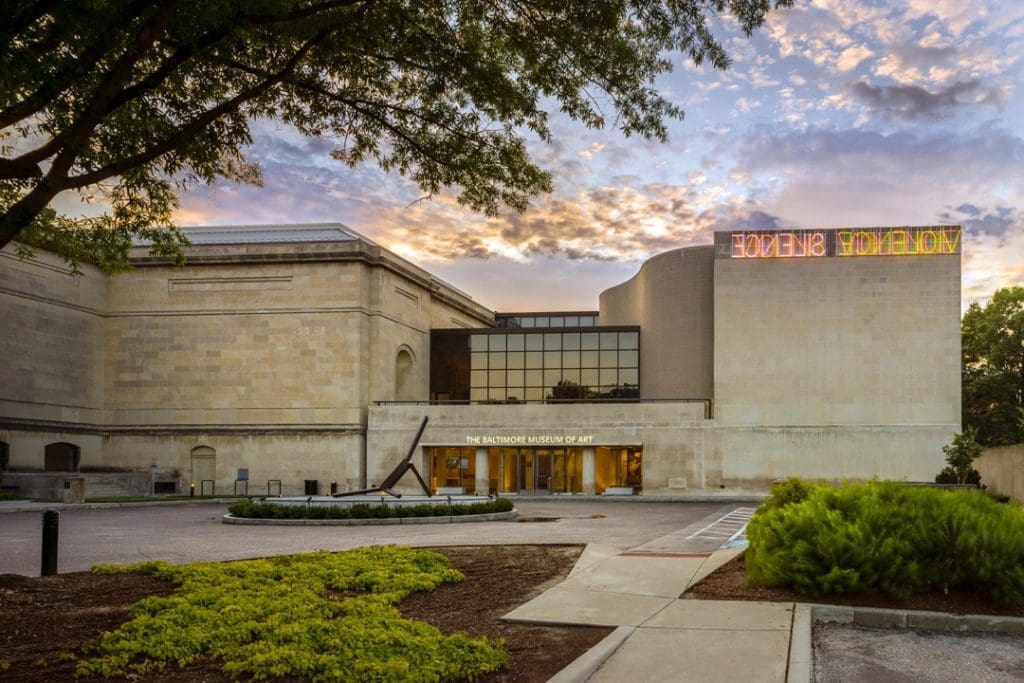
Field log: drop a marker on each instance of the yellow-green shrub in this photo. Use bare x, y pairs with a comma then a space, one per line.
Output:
322, 616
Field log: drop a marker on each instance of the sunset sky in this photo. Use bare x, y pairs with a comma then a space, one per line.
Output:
837, 113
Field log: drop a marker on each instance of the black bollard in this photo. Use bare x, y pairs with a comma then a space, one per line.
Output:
51, 532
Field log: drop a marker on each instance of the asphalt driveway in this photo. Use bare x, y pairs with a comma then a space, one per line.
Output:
193, 531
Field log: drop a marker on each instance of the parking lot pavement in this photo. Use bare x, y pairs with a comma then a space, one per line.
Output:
843, 652
193, 531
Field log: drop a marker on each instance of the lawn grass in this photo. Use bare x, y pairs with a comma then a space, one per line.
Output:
322, 616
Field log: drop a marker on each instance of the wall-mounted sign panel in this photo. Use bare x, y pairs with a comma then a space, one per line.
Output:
902, 241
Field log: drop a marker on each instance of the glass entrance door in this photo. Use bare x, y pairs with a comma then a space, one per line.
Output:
549, 470
542, 483
534, 471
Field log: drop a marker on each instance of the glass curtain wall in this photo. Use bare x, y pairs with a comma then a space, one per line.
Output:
511, 470
452, 466
618, 466
506, 365
528, 320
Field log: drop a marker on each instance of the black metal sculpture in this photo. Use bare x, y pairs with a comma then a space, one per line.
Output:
396, 474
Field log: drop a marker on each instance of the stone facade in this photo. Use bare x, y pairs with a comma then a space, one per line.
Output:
829, 367
269, 355
266, 354
838, 341
672, 300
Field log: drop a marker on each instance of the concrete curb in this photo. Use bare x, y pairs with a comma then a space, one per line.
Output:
584, 666
389, 521
800, 667
875, 617
801, 655
715, 561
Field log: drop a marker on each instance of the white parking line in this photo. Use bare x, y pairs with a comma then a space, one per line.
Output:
729, 526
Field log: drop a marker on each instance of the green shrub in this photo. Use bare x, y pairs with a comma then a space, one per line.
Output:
960, 454
263, 510
890, 538
792, 490
317, 616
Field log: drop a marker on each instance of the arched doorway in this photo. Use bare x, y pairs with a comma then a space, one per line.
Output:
5, 455
61, 456
204, 470
405, 383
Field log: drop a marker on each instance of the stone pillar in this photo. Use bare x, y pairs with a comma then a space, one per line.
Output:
589, 470
483, 472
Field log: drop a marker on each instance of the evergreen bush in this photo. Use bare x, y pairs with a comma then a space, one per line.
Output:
265, 510
886, 537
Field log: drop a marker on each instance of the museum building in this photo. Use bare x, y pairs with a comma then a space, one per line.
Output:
303, 358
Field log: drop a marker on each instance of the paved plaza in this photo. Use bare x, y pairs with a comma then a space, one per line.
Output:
640, 557
193, 531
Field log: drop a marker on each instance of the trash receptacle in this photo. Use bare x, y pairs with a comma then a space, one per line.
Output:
312, 487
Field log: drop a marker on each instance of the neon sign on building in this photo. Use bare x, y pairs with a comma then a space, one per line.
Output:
897, 241
756, 244
792, 244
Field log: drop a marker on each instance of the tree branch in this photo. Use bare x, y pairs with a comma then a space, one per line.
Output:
21, 20
78, 67
196, 125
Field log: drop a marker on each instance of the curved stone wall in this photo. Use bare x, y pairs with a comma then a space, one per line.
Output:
672, 300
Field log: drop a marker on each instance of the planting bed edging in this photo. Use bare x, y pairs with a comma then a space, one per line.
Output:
385, 521
801, 657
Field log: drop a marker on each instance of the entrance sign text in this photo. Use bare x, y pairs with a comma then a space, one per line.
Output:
531, 440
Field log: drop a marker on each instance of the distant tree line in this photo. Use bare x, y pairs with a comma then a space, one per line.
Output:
993, 368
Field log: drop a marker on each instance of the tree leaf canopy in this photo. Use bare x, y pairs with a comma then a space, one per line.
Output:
128, 103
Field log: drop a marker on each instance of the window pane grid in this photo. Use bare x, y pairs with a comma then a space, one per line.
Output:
542, 365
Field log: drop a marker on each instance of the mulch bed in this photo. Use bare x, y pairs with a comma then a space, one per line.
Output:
44, 618
730, 583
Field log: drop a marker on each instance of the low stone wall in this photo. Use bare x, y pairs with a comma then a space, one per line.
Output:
97, 484
1002, 470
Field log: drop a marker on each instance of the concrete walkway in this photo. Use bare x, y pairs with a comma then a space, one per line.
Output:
659, 636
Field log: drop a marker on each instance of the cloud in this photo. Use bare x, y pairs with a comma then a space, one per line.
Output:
997, 223
616, 222
851, 57
912, 62
832, 177
911, 102
990, 263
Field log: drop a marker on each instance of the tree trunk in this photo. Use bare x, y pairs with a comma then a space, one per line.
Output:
24, 211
